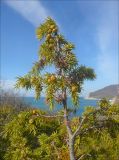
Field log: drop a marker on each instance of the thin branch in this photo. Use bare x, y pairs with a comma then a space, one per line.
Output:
77, 132
58, 154
49, 116
79, 128
90, 128
84, 156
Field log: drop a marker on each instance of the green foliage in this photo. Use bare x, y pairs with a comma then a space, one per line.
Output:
7, 113
28, 82
101, 132
55, 50
30, 135
101, 145
104, 103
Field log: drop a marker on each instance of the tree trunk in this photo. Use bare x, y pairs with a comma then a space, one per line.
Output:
67, 123
71, 148
69, 131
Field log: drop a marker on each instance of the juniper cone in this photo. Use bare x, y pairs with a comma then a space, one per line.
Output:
67, 78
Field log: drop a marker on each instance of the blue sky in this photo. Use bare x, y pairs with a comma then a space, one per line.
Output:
91, 25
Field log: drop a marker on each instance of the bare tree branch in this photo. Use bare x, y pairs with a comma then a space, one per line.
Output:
77, 132
84, 156
79, 128
49, 116
90, 128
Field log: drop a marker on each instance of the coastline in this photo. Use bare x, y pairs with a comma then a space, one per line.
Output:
91, 98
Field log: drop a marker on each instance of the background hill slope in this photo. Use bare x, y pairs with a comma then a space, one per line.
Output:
107, 92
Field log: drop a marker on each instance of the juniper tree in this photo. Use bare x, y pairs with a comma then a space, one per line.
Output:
67, 78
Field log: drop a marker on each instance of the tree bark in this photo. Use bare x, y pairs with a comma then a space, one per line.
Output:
71, 138
69, 131
71, 148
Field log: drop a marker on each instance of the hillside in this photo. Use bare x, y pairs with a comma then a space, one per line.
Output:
107, 92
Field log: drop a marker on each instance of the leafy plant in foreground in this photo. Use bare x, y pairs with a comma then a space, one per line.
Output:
67, 79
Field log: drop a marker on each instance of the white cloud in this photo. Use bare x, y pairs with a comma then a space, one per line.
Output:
32, 11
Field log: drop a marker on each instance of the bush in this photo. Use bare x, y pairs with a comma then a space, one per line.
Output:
31, 135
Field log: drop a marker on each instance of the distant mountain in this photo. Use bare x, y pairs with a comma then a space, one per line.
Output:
107, 92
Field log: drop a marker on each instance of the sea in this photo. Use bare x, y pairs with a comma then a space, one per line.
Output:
83, 103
